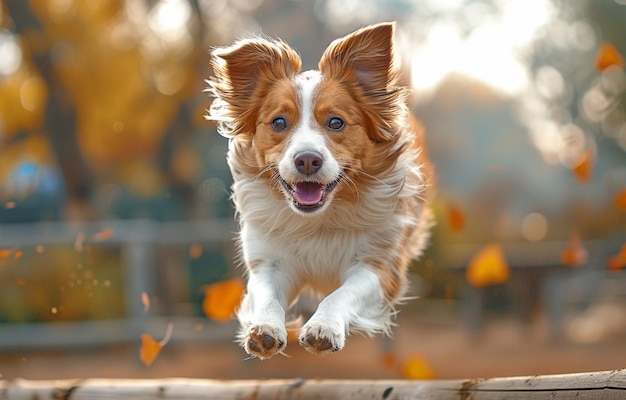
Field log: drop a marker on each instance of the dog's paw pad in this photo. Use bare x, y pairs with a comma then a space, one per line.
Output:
321, 339
320, 344
263, 345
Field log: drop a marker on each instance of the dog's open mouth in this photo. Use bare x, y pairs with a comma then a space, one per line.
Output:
309, 196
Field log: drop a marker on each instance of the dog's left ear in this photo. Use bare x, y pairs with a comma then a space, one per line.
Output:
364, 61
365, 55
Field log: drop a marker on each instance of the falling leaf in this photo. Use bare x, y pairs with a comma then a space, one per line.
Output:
574, 254
221, 299
4, 253
618, 261
417, 367
103, 235
150, 348
79, 241
608, 56
456, 220
40, 248
583, 169
195, 251
145, 300
9, 205
488, 267
389, 360
620, 200
18, 254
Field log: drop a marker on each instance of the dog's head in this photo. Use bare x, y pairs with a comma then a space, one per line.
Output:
316, 136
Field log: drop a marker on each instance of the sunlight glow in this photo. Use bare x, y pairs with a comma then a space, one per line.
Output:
169, 18
10, 54
494, 51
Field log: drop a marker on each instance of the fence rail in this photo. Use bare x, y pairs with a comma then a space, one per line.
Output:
607, 385
138, 241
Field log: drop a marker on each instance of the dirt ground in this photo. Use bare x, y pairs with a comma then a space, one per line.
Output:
505, 348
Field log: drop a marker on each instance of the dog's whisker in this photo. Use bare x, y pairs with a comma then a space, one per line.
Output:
361, 172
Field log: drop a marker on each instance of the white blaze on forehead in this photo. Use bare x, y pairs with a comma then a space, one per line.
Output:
308, 135
307, 83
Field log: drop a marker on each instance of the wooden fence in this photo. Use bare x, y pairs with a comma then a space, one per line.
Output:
607, 385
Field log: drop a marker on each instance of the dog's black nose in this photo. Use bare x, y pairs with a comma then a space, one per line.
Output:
308, 162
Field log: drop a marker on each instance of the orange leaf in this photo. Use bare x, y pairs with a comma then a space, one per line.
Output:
9, 204
456, 220
620, 200
418, 368
574, 254
488, 267
145, 300
583, 169
389, 360
150, 348
221, 299
103, 235
618, 261
608, 56
4, 253
195, 251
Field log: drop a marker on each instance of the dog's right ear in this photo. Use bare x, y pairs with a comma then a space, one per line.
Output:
243, 74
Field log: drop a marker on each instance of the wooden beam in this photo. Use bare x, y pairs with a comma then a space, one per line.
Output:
606, 385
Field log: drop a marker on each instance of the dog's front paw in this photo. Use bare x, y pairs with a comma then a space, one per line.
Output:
322, 337
264, 341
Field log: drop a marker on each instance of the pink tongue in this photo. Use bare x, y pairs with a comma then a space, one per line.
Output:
309, 193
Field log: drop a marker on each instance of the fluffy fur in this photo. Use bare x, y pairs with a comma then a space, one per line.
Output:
331, 181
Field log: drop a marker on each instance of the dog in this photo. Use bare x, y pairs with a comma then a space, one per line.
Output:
331, 185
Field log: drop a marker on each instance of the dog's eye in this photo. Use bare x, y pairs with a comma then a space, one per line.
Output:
279, 124
335, 124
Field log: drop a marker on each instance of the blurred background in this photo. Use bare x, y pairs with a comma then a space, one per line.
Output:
116, 250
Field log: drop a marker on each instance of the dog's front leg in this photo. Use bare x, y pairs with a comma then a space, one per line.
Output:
262, 313
358, 302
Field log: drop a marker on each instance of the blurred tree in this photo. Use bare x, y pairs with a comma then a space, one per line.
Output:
120, 76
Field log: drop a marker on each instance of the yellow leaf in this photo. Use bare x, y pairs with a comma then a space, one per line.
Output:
418, 368
488, 267
574, 254
222, 299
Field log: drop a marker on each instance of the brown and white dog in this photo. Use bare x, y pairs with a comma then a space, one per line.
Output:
331, 180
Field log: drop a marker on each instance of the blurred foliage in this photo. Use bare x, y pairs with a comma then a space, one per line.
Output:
108, 93
60, 284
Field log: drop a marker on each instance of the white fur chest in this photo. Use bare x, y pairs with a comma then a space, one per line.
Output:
314, 251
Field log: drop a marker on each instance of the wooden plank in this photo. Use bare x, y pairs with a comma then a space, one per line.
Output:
606, 385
